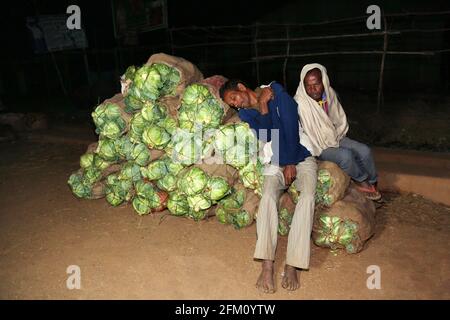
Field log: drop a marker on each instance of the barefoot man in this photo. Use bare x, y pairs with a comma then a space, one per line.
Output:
271, 110
324, 122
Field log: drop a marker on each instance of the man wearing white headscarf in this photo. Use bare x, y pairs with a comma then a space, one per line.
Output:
324, 121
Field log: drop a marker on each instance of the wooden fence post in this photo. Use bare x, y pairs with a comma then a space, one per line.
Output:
255, 44
383, 58
288, 47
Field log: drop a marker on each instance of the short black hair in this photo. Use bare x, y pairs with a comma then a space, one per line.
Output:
231, 84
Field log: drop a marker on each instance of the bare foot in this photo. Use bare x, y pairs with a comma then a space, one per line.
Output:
265, 281
290, 279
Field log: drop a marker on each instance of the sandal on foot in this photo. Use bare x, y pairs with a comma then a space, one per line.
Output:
370, 193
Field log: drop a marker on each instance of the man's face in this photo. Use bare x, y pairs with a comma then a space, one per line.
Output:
314, 86
237, 98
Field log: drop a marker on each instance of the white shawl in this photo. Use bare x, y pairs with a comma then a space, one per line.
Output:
324, 131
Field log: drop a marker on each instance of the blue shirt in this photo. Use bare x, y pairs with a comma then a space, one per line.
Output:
283, 115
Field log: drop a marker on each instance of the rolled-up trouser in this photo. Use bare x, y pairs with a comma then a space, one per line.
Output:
299, 239
354, 157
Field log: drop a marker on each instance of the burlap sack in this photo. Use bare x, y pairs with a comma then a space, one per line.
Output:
164, 197
189, 73
120, 101
339, 180
286, 202
156, 154
98, 190
354, 207
92, 147
172, 104
230, 174
216, 81
251, 204
231, 117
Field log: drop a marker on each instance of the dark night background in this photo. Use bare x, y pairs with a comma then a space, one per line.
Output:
415, 91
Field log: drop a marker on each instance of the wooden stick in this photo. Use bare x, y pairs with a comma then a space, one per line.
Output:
288, 47
255, 44
383, 58
422, 53
316, 23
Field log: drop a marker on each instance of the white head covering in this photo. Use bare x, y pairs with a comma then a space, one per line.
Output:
323, 130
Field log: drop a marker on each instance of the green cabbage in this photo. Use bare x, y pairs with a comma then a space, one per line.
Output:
178, 204
130, 171
242, 219
137, 126
198, 202
155, 170
167, 183
107, 150
108, 120
123, 147
236, 144
78, 187
217, 188
118, 190
252, 176
156, 137
87, 160
140, 154
133, 104
152, 112
141, 205
333, 232
197, 215
193, 181
144, 189
173, 167
100, 163
199, 109
324, 182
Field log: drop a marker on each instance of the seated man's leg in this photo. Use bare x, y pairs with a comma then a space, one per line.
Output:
267, 230
299, 240
346, 160
363, 156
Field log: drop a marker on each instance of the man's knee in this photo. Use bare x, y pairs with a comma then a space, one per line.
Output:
307, 196
364, 151
270, 188
345, 158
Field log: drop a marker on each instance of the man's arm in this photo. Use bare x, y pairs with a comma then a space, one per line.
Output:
256, 120
287, 110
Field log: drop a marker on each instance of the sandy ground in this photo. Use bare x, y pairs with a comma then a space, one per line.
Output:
44, 229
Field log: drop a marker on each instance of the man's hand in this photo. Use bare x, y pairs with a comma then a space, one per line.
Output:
290, 173
264, 98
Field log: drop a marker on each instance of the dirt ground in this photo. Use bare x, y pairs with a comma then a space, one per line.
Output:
44, 229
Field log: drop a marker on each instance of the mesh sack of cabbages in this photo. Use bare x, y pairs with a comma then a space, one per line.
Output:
332, 182
88, 182
236, 145
110, 119
286, 211
347, 224
163, 77
201, 108
239, 208
188, 148
195, 192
